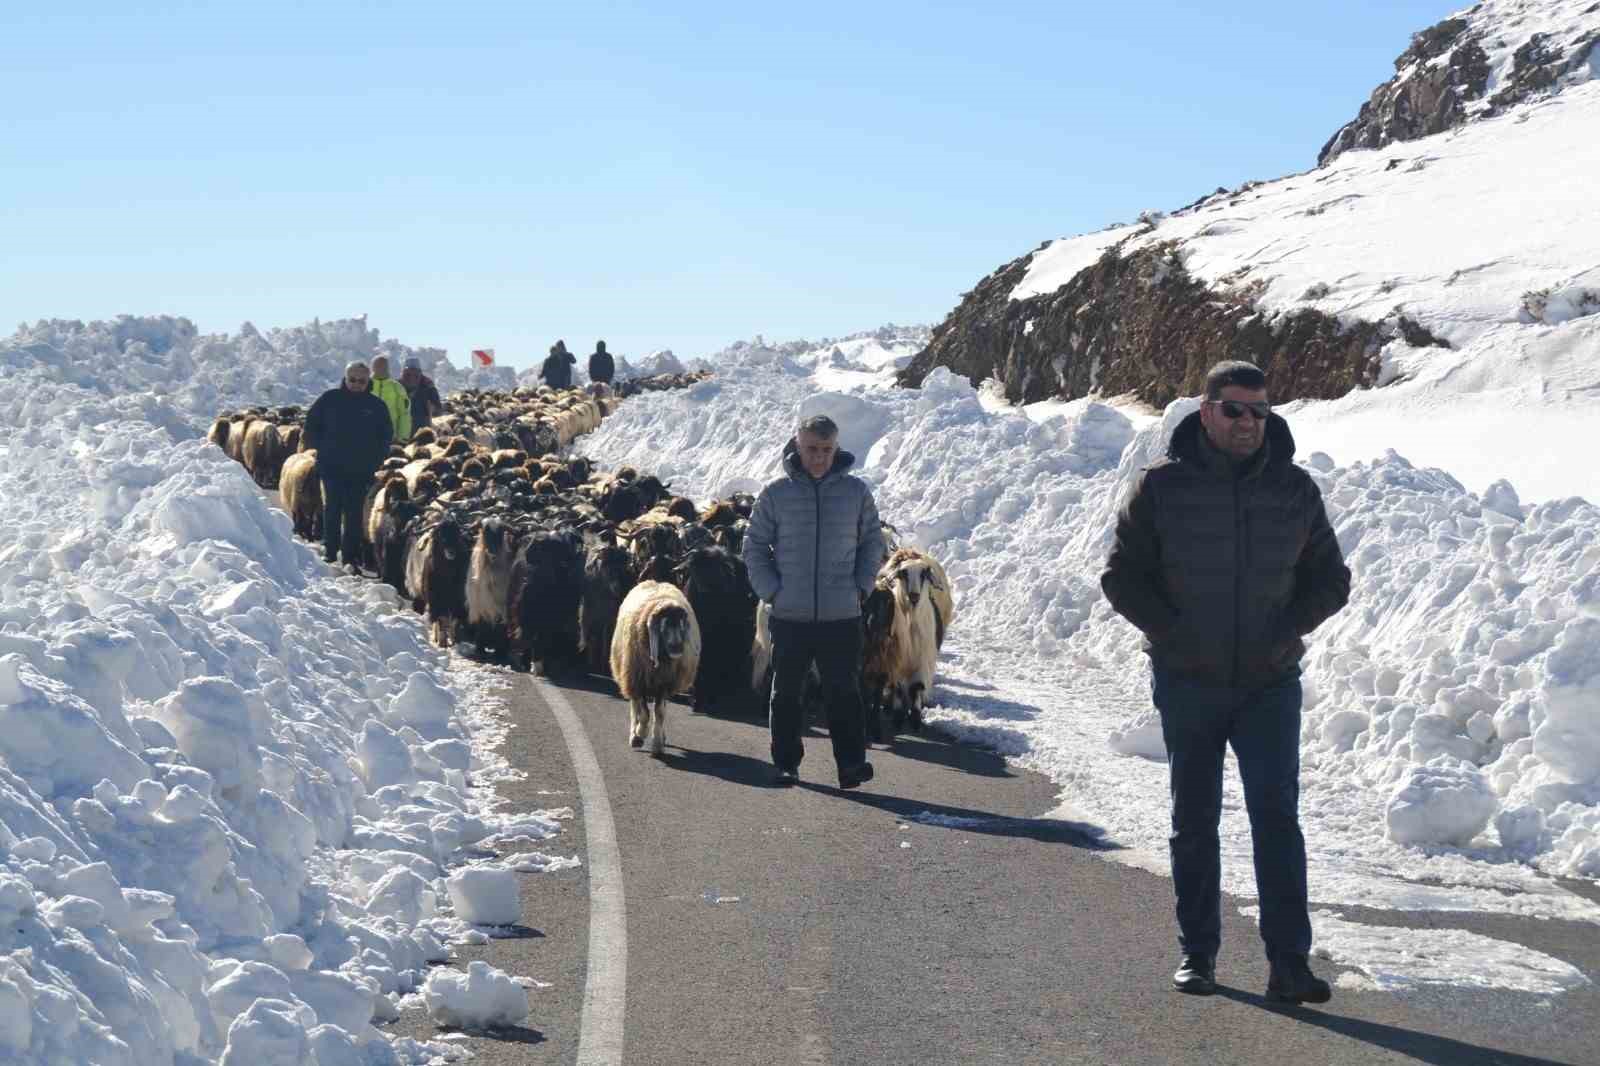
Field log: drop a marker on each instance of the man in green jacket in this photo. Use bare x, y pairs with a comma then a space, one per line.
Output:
394, 397
1225, 560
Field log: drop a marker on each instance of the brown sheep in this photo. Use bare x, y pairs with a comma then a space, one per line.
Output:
655, 652
301, 493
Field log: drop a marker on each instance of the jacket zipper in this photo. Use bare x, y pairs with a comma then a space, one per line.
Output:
1239, 535
816, 559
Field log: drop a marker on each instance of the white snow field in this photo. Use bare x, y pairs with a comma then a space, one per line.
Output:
243, 802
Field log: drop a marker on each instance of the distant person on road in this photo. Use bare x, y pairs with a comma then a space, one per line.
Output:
602, 368
424, 394
394, 397
557, 369
349, 428
1225, 560
813, 551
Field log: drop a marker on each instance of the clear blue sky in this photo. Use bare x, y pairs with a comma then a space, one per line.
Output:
661, 175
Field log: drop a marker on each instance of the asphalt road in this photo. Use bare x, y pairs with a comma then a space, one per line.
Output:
930, 917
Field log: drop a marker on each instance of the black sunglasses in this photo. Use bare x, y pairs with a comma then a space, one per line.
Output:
1236, 408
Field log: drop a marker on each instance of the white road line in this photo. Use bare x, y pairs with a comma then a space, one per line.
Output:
605, 991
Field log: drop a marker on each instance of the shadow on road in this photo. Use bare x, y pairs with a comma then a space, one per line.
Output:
967, 820
1424, 1047
511, 1034
951, 754
510, 932
724, 765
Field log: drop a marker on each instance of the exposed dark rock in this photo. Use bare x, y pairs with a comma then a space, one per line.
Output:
1143, 325
1443, 72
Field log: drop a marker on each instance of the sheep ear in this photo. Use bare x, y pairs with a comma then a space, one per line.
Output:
653, 628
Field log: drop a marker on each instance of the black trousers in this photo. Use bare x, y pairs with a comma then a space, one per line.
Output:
342, 500
1199, 722
836, 649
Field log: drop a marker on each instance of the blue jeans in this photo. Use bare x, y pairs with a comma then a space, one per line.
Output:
1198, 722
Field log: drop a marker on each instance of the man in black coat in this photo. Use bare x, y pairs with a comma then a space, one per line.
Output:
349, 428
602, 368
1224, 558
557, 369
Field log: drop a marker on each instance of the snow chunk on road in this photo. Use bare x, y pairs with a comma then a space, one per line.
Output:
481, 998
1441, 803
485, 895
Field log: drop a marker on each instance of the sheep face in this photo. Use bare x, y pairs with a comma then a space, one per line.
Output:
493, 537
607, 564
914, 580
669, 635
449, 540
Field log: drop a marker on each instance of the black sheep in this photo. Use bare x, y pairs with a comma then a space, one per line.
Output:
436, 575
719, 591
607, 578
546, 586
394, 541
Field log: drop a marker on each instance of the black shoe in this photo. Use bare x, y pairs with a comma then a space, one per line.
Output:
784, 778
855, 776
331, 560
1290, 980
1197, 975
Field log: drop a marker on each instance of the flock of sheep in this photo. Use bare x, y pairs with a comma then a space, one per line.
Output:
484, 526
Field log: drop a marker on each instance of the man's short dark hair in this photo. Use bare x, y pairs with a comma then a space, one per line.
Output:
819, 426
1233, 372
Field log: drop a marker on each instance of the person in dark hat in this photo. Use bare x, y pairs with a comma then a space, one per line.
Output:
425, 401
602, 368
557, 369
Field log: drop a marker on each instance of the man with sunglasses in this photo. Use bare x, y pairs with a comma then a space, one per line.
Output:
350, 429
1224, 558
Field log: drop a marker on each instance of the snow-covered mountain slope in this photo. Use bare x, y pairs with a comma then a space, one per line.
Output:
1488, 237
1477, 63
1454, 277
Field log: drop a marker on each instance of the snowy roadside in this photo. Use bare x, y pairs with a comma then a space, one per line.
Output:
244, 805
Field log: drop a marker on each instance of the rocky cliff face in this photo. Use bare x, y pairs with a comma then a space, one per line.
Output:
1141, 325
1472, 66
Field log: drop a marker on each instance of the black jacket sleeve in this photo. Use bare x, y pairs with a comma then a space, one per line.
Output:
316, 423
1132, 577
1321, 579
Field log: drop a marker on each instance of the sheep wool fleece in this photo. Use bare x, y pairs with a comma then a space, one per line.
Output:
814, 545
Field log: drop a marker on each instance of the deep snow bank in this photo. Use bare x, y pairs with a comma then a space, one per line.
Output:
227, 780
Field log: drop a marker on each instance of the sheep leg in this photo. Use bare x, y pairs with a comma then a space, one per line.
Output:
658, 732
638, 715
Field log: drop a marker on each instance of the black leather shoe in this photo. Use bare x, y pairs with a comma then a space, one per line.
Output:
855, 776
1290, 980
1197, 975
785, 778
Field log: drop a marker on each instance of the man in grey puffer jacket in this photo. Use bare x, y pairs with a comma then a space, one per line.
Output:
813, 551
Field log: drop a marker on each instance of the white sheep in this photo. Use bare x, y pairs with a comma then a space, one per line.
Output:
924, 610
655, 652
489, 582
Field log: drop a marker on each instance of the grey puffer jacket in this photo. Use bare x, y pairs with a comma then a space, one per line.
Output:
814, 546
1225, 568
